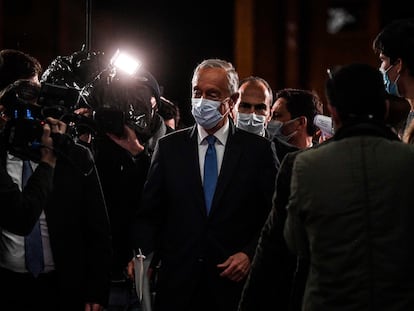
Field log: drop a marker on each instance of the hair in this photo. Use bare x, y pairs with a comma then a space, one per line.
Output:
258, 80
357, 91
396, 40
232, 75
169, 110
299, 103
15, 65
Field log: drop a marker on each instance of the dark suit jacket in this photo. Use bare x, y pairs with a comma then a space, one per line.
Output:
21, 209
79, 231
191, 243
271, 278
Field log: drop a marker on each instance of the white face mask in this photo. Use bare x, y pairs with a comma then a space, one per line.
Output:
274, 128
205, 112
251, 122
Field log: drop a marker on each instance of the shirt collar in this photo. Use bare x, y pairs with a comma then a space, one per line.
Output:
221, 134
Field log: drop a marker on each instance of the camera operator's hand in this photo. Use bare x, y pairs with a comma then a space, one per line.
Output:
84, 112
51, 126
128, 141
47, 154
57, 126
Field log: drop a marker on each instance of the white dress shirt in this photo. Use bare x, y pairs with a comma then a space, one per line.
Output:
11, 245
221, 140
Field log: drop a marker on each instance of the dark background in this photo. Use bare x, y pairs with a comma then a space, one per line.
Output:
170, 39
284, 41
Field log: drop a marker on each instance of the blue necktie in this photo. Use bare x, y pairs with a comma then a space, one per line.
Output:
210, 172
32, 242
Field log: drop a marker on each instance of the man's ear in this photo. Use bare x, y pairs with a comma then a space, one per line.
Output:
303, 121
233, 99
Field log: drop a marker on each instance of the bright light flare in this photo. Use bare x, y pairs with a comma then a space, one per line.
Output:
125, 62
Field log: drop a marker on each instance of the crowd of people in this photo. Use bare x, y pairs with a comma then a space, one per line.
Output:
249, 208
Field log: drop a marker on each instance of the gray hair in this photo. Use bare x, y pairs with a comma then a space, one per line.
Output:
232, 75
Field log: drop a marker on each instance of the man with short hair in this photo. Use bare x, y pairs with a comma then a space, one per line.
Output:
394, 46
207, 195
251, 111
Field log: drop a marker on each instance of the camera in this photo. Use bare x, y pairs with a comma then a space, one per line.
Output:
23, 130
52, 95
110, 120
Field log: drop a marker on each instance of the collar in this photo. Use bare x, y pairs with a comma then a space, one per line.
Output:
365, 128
221, 134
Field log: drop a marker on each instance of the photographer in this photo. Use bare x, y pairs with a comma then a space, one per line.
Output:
123, 154
21, 208
73, 271
124, 127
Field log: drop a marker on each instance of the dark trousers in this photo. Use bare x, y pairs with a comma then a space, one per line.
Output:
22, 291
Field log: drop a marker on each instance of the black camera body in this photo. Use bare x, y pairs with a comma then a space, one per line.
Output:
57, 95
110, 120
24, 129
23, 137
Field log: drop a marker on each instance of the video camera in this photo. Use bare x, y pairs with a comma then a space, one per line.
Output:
25, 117
89, 73
121, 95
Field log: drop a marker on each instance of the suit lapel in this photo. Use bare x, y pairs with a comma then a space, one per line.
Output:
192, 158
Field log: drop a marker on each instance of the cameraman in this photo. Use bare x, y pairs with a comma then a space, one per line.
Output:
74, 226
123, 155
21, 209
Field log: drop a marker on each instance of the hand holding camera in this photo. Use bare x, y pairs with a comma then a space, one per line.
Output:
129, 141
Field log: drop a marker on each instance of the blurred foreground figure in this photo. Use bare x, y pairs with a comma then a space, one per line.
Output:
355, 222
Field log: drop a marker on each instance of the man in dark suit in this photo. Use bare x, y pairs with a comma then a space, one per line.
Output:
206, 250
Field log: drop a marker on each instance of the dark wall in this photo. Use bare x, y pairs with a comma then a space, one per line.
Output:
292, 47
170, 38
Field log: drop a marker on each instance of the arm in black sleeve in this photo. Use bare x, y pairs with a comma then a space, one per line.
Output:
19, 211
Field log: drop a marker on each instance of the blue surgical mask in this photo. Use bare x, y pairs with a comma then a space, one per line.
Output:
205, 112
390, 87
251, 122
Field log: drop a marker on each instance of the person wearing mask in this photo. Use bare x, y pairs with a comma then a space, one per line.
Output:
272, 256
355, 222
252, 109
291, 126
207, 195
394, 45
69, 268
